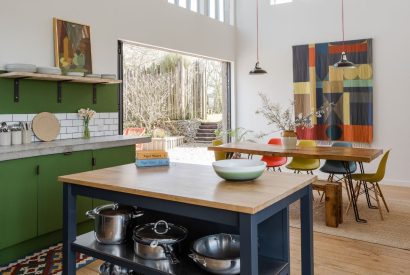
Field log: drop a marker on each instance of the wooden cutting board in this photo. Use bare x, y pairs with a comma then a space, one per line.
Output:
46, 126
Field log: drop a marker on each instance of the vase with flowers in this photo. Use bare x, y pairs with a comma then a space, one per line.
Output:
86, 115
286, 121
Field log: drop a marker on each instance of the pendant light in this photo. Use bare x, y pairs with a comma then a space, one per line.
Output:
344, 62
257, 69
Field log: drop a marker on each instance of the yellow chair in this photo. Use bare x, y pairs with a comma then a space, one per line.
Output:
373, 180
218, 155
303, 164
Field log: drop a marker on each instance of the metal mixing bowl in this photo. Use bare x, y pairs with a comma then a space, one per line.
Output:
218, 254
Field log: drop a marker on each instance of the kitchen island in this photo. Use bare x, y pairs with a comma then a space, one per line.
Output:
195, 196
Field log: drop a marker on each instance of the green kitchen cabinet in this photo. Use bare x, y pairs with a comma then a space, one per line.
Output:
50, 191
110, 157
18, 201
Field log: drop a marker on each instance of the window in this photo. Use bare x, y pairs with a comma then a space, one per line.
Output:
221, 10
277, 2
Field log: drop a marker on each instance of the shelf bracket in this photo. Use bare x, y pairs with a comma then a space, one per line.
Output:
59, 90
17, 89
94, 93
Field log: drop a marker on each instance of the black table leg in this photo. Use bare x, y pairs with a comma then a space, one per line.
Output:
366, 189
69, 230
352, 193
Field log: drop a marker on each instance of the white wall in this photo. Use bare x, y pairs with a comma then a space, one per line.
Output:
26, 29
312, 21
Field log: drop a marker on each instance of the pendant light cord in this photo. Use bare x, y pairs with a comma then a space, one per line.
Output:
343, 24
257, 31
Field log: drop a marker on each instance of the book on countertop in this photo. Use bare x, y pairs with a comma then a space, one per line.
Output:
152, 154
152, 162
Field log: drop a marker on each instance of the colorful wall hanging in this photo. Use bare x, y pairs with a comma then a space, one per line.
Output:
72, 46
317, 81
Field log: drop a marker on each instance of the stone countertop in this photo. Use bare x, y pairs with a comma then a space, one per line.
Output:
67, 145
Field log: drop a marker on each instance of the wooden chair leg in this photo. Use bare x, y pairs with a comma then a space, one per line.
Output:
382, 196
347, 190
378, 201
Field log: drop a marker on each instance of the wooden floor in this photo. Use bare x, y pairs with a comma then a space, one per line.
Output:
336, 255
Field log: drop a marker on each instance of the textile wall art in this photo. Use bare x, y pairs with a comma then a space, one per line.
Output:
317, 81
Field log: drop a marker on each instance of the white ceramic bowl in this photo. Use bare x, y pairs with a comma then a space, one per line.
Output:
239, 169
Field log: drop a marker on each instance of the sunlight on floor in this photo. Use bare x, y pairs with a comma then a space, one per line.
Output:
194, 153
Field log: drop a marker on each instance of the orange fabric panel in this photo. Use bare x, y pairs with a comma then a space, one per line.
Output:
312, 57
358, 133
352, 48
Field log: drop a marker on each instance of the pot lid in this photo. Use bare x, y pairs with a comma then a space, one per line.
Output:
114, 210
160, 232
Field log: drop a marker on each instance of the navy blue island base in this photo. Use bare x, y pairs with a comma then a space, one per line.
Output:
264, 235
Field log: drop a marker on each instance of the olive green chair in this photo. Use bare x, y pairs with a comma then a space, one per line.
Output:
303, 164
373, 180
218, 155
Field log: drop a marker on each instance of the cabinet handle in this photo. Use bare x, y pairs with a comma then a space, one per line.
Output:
67, 153
38, 170
93, 161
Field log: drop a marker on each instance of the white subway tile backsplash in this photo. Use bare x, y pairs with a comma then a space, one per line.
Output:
6, 118
71, 126
66, 123
61, 116
72, 116
20, 117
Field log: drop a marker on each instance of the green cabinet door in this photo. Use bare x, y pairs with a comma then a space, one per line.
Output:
109, 157
50, 191
18, 201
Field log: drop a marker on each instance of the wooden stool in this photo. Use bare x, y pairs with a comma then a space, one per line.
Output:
333, 201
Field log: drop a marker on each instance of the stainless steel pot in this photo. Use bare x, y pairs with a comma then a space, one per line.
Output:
111, 222
111, 269
155, 241
218, 254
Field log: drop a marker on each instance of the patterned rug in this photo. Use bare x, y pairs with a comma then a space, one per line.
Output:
47, 261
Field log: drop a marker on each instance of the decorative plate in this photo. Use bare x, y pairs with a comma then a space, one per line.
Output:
46, 126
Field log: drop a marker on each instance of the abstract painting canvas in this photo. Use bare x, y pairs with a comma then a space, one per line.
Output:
72, 46
317, 81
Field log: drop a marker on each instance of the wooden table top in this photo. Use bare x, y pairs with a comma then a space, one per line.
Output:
319, 152
194, 184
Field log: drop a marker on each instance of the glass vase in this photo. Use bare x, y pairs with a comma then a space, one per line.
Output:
86, 131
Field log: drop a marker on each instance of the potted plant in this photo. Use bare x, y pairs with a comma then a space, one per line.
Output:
286, 121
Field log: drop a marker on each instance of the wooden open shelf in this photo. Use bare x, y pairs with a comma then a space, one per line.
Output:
17, 76
53, 77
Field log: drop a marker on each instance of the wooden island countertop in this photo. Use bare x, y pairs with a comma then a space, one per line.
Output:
194, 184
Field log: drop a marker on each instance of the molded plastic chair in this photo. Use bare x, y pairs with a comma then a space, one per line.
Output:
303, 164
373, 180
336, 167
218, 155
274, 162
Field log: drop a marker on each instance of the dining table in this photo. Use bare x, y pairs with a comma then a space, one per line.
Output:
343, 154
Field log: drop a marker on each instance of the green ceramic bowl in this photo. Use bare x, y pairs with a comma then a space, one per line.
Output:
239, 169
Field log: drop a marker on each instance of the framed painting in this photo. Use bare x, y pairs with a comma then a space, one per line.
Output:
72, 46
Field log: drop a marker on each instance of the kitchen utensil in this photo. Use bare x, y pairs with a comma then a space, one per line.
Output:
111, 222
27, 68
46, 126
155, 241
49, 70
4, 127
239, 169
218, 254
75, 74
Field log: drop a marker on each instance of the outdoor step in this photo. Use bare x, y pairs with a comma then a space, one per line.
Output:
201, 141
209, 123
208, 139
202, 126
206, 131
206, 135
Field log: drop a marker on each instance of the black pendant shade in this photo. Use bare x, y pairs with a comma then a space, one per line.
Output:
344, 63
257, 70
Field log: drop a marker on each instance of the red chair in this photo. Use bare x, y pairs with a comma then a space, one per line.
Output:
274, 162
